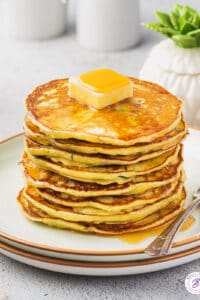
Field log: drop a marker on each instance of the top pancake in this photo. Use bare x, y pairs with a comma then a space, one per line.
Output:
151, 113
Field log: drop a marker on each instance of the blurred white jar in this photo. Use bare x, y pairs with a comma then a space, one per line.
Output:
34, 19
108, 25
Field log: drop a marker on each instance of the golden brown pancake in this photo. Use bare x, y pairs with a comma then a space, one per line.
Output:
91, 160
108, 174
170, 139
71, 214
150, 113
46, 179
110, 204
157, 219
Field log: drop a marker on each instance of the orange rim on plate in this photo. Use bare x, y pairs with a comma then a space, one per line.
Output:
89, 252
58, 261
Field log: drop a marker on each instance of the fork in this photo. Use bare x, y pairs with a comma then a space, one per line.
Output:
163, 242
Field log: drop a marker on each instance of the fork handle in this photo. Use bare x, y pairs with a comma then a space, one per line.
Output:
161, 245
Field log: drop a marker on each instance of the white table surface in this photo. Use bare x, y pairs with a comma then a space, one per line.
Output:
24, 65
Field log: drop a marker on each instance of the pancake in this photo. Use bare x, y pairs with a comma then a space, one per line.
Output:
108, 176
41, 178
160, 218
86, 161
149, 114
171, 139
111, 204
68, 213
142, 167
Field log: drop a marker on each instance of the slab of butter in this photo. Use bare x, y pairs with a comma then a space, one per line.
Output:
100, 88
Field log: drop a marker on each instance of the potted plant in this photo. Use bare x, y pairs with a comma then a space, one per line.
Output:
175, 62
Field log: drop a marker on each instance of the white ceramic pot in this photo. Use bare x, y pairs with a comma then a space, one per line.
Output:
178, 70
34, 19
108, 25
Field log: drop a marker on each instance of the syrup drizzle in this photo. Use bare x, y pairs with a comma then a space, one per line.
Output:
138, 237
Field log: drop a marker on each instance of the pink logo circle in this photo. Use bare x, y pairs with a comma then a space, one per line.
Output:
192, 283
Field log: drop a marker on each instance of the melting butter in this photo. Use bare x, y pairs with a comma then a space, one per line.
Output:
100, 88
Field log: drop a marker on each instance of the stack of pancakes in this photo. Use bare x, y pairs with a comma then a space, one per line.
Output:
108, 171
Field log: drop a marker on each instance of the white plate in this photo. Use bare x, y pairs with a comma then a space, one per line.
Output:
100, 268
21, 233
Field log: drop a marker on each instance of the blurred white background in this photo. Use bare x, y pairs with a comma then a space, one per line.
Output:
26, 64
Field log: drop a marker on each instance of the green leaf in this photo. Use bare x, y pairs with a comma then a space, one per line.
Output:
187, 27
185, 13
174, 20
191, 10
152, 26
185, 41
159, 28
196, 20
189, 15
168, 31
194, 33
164, 19
177, 9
